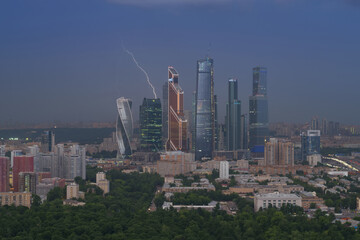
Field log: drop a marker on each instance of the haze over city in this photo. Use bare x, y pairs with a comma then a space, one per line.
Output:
59, 62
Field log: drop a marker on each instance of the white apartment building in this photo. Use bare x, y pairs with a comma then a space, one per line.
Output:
224, 170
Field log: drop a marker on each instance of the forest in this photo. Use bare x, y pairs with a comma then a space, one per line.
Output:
123, 214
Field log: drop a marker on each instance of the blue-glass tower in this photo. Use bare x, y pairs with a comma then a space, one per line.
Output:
151, 125
205, 109
258, 110
310, 143
233, 117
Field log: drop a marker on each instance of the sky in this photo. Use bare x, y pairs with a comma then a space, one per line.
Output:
63, 60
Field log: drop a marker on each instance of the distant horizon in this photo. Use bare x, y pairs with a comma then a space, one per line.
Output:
42, 125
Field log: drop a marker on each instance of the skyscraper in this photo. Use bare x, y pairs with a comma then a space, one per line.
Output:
205, 109
124, 127
193, 127
233, 117
177, 124
310, 143
216, 125
165, 113
258, 109
4, 174
21, 164
244, 133
150, 125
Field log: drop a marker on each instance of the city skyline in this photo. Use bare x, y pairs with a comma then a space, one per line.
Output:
72, 70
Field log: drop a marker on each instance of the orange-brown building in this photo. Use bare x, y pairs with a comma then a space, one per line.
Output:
177, 124
17, 198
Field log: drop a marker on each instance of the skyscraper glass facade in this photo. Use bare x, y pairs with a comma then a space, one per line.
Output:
165, 115
150, 125
177, 124
233, 117
124, 127
310, 143
258, 109
205, 109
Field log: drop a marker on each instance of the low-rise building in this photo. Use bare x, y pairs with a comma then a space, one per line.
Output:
262, 189
102, 182
320, 181
72, 191
310, 197
174, 163
209, 207
73, 203
313, 159
242, 164
16, 198
338, 173
276, 200
195, 186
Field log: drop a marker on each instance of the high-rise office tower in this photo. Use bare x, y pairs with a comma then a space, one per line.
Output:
165, 112
221, 138
190, 125
177, 124
47, 141
205, 109
124, 127
244, 133
216, 125
21, 164
310, 143
4, 174
279, 152
150, 125
233, 117
258, 109
193, 130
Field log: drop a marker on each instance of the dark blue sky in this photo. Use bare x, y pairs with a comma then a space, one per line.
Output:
63, 60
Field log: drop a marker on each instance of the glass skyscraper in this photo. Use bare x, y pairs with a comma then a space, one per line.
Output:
205, 109
177, 124
258, 109
310, 143
150, 125
165, 112
124, 127
233, 117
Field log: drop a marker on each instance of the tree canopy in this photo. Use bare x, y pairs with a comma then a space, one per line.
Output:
123, 214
